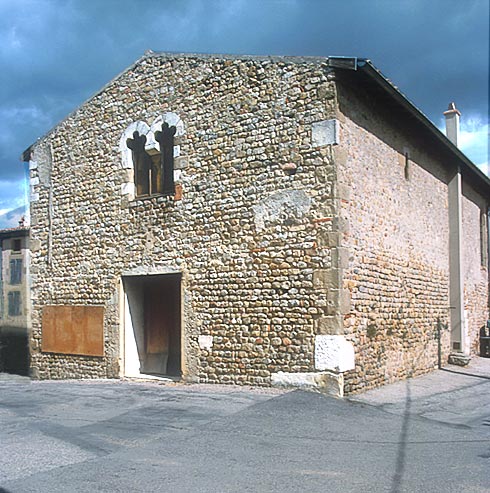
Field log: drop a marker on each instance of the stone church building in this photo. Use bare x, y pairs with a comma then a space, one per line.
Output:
254, 220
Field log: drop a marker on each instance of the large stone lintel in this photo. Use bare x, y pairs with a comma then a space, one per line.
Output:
327, 382
150, 271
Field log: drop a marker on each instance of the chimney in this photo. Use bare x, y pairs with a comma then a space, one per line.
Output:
452, 123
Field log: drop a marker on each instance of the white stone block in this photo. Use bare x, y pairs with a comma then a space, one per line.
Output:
172, 119
141, 127
126, 156
334, 352
205, 342
326, 382
128, 189
34, 181
32, 165
325, 133
34, 197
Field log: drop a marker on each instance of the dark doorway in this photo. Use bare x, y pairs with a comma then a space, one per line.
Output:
162, 325
14, 350
154, 304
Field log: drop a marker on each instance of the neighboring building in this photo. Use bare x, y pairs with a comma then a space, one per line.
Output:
255, 221
14, 300
11, 218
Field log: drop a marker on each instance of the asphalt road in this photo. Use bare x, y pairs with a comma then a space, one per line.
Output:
112, 436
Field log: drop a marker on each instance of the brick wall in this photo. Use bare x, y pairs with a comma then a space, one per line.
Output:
397, 235
475, 267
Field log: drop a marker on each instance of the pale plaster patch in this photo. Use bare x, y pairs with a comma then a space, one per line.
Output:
280, 207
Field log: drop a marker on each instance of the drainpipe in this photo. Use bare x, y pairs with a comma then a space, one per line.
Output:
459, 347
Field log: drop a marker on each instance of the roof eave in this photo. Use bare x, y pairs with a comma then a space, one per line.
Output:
465, 163
11, 232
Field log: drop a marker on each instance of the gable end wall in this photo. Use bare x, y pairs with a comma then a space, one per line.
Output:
250, 238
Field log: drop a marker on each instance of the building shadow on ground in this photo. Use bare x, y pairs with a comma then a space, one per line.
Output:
402, 444
466, 373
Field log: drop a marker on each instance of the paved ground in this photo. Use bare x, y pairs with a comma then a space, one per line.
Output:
429, 434
454, 395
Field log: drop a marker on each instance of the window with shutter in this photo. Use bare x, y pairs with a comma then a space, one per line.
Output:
16, 271
14, 303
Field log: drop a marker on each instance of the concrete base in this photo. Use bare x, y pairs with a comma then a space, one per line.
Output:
459, 359
327, 382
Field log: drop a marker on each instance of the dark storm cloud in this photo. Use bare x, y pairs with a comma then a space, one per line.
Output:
54, 54
434, 51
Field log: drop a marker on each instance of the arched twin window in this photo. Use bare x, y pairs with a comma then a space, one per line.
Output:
150, 151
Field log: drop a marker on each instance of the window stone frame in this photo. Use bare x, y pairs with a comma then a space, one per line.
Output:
128, 187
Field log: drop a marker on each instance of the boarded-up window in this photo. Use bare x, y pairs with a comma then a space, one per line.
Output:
16, 271
16, 245
73, 329
14, 303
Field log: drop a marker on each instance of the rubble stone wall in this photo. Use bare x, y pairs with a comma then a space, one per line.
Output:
247, 233
396, 235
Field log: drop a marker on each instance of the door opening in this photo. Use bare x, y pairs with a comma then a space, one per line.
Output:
14, 350
152, 342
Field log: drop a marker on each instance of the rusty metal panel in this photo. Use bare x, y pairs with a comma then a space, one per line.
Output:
73, 329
